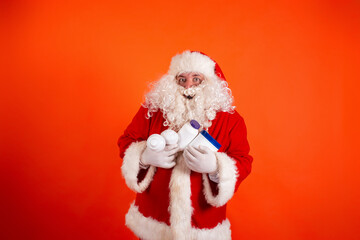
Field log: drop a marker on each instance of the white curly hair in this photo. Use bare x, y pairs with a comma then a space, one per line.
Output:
211, 96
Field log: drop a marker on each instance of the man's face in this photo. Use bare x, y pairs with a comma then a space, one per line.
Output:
188, 80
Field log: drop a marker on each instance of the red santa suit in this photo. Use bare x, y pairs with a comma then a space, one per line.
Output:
178, 203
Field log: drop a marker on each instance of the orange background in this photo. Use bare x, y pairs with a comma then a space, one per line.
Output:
74, 74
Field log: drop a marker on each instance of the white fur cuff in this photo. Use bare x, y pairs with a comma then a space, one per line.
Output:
227, 180
131, 167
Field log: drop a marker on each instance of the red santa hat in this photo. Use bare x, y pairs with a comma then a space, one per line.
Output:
193, 61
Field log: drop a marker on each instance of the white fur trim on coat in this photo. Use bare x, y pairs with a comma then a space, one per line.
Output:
192, 62
180, 200
131, 167
227, 179
148, 228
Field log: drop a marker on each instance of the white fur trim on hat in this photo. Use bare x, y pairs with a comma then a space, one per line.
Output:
131, 167
227, 179
192, 62
148, 228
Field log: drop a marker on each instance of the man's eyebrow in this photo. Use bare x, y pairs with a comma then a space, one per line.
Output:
197, 75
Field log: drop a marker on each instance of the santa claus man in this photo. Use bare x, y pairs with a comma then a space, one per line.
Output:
183, 194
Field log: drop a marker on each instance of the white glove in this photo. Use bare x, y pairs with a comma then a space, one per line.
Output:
201, 159
163, 159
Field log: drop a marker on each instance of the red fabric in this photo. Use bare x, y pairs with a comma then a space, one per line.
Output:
228, 129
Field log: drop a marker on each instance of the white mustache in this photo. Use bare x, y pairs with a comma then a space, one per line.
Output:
190, 92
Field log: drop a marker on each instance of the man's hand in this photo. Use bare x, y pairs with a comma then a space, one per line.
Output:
162, 159
201, 159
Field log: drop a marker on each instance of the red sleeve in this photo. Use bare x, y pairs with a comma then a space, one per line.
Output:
138, 130
234, 161
239, 149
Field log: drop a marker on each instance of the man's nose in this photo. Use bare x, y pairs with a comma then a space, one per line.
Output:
189, 84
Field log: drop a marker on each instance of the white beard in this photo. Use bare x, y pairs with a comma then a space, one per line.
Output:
180, 105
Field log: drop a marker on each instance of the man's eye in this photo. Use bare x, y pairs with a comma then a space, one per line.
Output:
196, 79
182, 80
